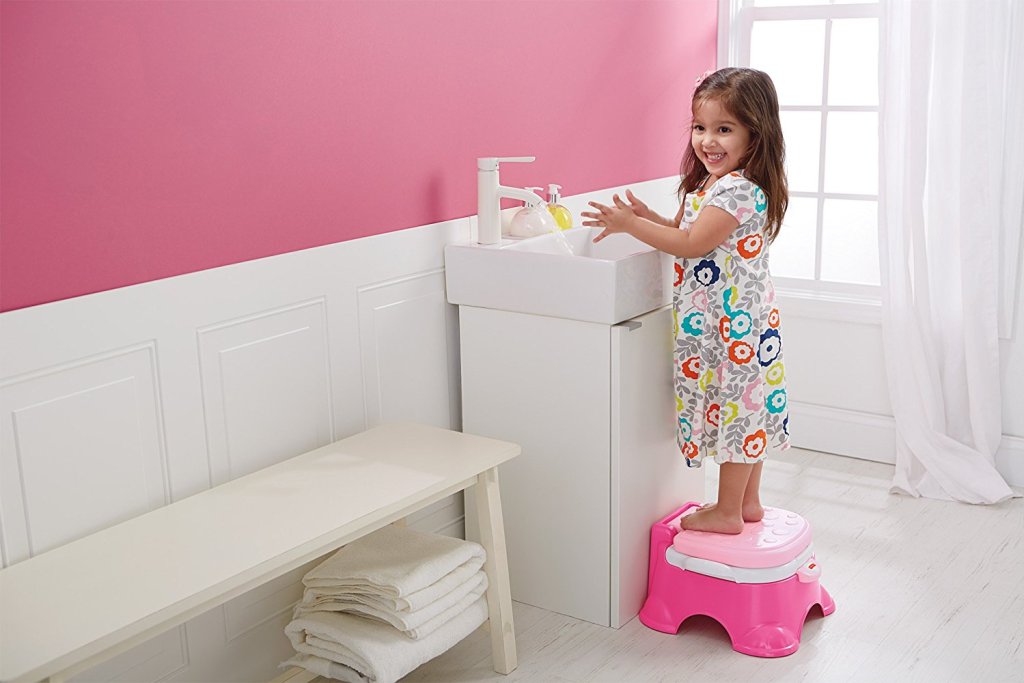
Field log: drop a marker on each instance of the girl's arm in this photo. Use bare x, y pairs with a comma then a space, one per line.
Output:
712, 227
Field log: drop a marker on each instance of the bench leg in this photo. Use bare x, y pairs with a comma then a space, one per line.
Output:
499, 594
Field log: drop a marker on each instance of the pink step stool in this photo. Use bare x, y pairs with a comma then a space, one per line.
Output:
759, 584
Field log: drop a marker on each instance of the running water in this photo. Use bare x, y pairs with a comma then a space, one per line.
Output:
562, 242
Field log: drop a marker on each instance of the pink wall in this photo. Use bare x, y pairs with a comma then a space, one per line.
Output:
141, 140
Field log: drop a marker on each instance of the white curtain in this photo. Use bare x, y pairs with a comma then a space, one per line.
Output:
952, 160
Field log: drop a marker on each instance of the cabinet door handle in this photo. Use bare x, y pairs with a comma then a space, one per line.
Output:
631, 325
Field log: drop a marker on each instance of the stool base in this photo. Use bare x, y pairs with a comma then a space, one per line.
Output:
762, 619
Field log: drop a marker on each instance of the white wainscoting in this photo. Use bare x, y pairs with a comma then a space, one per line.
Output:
115, 403
836, 377
409, 334
266, 388
1010, 460
158, 659
81, 448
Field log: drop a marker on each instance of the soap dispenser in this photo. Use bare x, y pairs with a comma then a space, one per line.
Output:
533, 219
561, 214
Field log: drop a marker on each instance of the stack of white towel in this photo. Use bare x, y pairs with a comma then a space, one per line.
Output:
386, 603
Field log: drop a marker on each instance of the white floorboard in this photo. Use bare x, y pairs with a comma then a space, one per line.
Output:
925, 591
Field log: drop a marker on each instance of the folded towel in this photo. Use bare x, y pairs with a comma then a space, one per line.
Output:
416, 600
392, 561
414, 624
358, 650
442, 618
326, 668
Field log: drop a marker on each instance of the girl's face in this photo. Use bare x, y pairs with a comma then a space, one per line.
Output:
718, 138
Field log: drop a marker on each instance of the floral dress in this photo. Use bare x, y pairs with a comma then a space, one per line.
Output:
730, 380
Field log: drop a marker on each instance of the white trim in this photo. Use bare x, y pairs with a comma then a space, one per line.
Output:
865, 10
848, 308
868, 436
729, 16
830, 107
739, 36
844, 432
745, 26
833, 195
1010, 460
819, 227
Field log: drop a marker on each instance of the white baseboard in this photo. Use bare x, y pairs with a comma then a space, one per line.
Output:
844, 432
1010, 460
873, 437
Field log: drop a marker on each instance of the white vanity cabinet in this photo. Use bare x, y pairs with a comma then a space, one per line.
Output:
592, 407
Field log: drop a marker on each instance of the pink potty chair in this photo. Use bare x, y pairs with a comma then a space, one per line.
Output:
759, 584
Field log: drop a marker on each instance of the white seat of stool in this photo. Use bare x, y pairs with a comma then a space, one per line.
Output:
738, 574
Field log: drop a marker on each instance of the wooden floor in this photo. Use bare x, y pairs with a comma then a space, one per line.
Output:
925, 591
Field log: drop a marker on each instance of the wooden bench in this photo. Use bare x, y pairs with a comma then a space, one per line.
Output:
70, 608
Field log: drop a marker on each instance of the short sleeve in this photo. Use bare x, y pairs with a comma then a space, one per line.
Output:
738, 196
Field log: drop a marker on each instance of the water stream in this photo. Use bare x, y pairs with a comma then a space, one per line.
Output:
563, 242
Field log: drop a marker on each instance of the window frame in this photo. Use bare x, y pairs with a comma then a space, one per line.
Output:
736, 20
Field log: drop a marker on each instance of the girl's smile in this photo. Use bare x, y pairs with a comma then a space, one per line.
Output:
719, 140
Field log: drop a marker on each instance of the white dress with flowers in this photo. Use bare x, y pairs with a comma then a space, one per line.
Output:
730, 380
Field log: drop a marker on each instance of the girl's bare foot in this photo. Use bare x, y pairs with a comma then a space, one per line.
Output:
711, 519
751, 513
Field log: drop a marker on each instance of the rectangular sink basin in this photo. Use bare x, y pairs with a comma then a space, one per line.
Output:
614, 280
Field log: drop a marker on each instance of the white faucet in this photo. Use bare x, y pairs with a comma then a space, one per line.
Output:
489, 193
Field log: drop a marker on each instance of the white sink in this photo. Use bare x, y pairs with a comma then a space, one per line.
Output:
614, 280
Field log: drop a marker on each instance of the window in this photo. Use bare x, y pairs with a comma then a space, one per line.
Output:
823, 57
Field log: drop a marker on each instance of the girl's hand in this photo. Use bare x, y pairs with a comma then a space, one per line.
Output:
641, 209
612, 219
645, 212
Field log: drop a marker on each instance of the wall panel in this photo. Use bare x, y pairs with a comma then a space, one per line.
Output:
82, 448
266, 388
409, 344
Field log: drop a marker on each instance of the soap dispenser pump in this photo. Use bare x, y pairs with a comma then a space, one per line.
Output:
561, 214
533, 219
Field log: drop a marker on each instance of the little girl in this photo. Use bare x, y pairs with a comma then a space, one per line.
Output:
729, 376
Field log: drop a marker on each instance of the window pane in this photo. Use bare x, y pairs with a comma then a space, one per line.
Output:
791, 52
802, 130
851, 152
853, 62
792, 252
849, 241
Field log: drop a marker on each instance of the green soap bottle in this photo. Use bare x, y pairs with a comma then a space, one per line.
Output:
561, 214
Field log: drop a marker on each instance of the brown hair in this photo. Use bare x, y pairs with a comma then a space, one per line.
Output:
749, 95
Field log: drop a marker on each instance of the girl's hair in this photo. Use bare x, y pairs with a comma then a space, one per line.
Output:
750, 96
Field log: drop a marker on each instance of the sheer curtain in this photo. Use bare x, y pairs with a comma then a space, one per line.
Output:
952, 169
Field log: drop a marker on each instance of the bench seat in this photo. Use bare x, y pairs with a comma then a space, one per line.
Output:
77, 605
